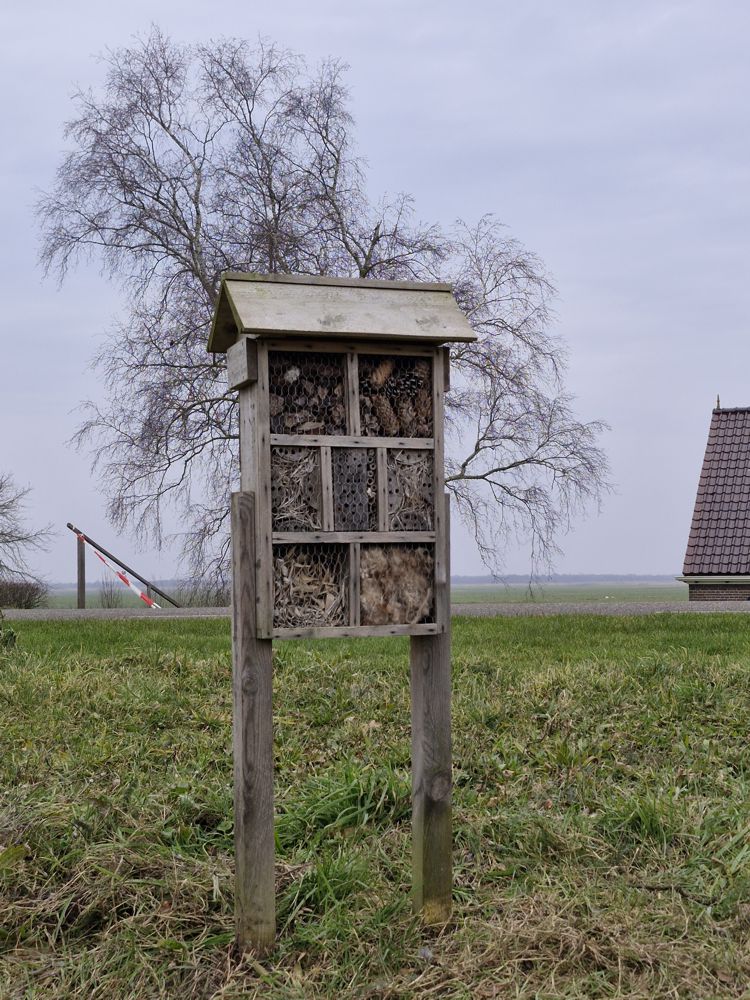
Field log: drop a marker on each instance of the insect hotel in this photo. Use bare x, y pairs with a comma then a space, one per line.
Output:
341, 528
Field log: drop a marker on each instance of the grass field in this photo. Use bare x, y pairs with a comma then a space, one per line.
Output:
641, 591
602, 814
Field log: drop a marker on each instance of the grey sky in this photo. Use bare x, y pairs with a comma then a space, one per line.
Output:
612, 138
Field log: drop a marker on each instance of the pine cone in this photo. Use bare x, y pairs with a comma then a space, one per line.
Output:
388, 420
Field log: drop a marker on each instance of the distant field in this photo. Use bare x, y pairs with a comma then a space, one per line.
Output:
568, 593
67, 598
480, 593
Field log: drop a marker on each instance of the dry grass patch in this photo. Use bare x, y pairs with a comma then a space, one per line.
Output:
602, 815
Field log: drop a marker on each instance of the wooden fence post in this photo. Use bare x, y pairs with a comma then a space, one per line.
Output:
431, 764
255, 910
81, 552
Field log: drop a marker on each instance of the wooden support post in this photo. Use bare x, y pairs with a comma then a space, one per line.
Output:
81, 553
431, 756
255, 910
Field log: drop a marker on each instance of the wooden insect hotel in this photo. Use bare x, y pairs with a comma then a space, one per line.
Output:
341, 527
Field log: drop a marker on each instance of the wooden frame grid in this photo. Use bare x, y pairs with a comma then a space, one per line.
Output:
256, 443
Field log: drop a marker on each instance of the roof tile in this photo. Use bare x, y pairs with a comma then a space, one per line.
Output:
719, 540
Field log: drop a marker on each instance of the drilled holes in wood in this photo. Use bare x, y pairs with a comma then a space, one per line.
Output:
354, 489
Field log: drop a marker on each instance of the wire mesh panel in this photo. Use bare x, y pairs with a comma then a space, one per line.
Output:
395, 396
355, 492
306, 392
396, 584
311, 585
411, 490
296, 493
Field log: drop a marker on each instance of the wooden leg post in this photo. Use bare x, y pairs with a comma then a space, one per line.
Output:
253, 744
81, 553
431, 760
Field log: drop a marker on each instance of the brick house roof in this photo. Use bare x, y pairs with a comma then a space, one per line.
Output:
719, 539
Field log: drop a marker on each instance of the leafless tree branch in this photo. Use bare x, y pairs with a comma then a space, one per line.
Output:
195, 160
17, 540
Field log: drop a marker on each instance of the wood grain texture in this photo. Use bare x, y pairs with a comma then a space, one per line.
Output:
252, 743
354, 571
348, 441
430, 661
352, 393
446, 356
442, 527
333, 311
382, 486
255, 478
326, 480
351, 632
296, 537
242, 363
339, 346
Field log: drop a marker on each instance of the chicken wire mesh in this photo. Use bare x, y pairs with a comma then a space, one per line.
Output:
396, 584
411, 490
296, 494
306, 393
355, 492
311, 585
395, 396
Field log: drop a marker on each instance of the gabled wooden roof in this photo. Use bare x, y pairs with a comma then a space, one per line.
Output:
333, 308
719, 542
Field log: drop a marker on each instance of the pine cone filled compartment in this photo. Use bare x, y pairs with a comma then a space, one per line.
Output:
397, 584
306, 393
411, 490
310, 585
296, 494
355, 491
395, 396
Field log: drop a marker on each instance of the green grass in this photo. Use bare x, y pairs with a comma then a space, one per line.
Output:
572, 593
464, 593
602, 814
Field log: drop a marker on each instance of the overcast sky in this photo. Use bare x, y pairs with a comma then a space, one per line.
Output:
612, 138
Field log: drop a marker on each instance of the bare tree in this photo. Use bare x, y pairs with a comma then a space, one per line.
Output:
196, 160
110, 594
17, 540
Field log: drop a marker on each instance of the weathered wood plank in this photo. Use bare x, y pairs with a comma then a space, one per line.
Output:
242, 363
344, 346
348, 441
263, 514
252, 742
442, 529
326, 479
351, 632
382, 483
352, 392
318, 279
331, 311
354, 571
296, 537
430, 661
